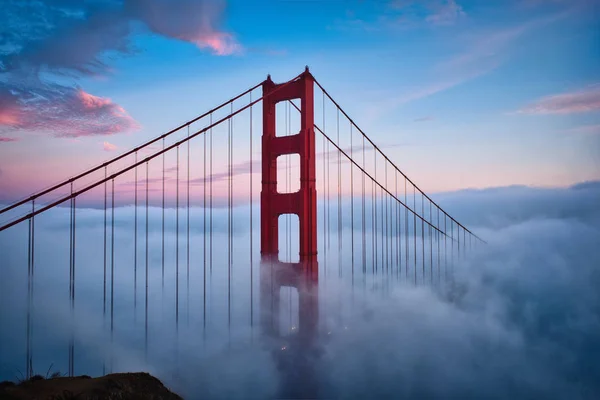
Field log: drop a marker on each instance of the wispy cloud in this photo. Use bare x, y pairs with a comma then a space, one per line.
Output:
445, 12
580, 101
483, 53
7, 139
405, 14
62, 111
423, 119
109, 146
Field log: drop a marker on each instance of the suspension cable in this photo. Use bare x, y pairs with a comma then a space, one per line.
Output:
390, 161
130, 167
128, 153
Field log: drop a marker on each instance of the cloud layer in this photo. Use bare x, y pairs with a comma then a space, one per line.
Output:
75, 39
521, 321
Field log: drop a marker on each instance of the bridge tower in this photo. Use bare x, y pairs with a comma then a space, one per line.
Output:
303, 203
275, 274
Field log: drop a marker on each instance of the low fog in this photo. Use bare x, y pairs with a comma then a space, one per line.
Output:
520, 318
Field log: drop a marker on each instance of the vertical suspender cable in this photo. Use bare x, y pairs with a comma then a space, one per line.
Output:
32, 285
104, 291
364, 233
163, 218
373, 221
229, 226
339, 207
135, 238
210, 172
430, 245
70, 366
28, 324
146, 275
112, 271
30, 276
423, 234
251, 233
445, 248
438, 247
231, 193
177, 243
328, 185
204, 237
375, 217
451, 248
188, 229
397, 226
287, 189
460, 254
352, 203
383, 239
464, 243
325, 159
406, 252
73, 292
384, 198
415, 228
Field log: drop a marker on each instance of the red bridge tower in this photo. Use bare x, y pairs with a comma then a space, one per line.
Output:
274, 273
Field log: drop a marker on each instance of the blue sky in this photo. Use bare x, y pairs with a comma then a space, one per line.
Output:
462, 93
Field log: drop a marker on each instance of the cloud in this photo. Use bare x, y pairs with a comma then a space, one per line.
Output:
445, 13
519, 321
423, 119
40, 40
63, 111
435, 12
7, 139
482, 54
579, 101
192, 21
405, 14
69, 36
109, 146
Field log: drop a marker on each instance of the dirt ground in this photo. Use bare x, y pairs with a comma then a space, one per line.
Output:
114, 386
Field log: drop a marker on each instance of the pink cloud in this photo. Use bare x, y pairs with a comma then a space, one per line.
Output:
7, 139
9, 117
221, 43
92, 102
9, 109
63, 112
580, 101
192, 21
109, 146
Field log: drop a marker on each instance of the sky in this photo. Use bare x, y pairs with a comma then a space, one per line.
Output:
461, 94
493, 107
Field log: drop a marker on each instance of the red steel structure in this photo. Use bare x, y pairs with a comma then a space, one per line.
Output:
303, 203
276, 274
